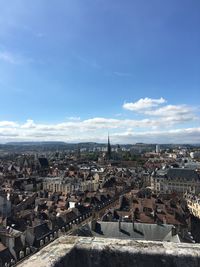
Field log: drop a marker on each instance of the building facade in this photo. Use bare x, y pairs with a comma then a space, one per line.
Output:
193, 203
68, 186
175, 180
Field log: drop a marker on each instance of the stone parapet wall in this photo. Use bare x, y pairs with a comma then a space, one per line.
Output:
73, 251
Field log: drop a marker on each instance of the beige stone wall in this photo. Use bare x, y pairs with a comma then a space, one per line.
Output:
79, 251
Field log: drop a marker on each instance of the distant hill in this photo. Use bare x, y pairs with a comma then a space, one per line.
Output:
21, 147
46, 146
36, 143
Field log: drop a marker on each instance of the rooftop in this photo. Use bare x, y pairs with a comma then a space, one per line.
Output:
187, 174
81, 251
124, 230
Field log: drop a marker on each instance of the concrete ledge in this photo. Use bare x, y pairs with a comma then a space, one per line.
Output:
79, 251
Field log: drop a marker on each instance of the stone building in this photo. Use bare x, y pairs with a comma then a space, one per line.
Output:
177, 180
193, 203
68, 186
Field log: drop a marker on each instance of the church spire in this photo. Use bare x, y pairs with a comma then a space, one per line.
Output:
108, 149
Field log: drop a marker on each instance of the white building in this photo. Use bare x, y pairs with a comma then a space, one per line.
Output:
68, 185
157, 148
195, 155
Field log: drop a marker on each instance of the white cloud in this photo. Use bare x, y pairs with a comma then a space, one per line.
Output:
8, 124
160, 124
93, 129
170, 110
8, 57
174, 114
28, 125
87, 131
15, 59
74, 118
170, 114
176, 136
143, 104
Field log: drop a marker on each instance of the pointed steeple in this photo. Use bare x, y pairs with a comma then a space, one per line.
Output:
108, 148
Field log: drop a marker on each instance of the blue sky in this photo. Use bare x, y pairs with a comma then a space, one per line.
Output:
70, 70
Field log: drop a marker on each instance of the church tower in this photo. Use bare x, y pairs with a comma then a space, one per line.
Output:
108, 149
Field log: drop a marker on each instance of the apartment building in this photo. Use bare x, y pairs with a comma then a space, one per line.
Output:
177, 180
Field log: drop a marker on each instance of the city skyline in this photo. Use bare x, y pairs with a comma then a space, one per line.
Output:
75, 71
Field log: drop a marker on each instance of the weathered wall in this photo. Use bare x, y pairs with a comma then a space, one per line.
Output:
147, 256
90, 252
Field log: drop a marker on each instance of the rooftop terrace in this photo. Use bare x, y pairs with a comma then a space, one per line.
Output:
80, 251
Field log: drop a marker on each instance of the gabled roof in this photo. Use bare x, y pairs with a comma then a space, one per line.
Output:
142, 231
59, 222
41, 231
70, 216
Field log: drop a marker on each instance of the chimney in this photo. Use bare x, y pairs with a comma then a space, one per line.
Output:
50, 224
119, 223
93, 225
164, 220
133, 220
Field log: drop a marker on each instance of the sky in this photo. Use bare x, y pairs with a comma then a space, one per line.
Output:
74, 70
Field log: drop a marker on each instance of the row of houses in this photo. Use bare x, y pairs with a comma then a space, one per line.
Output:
16, 245
68, 185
